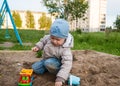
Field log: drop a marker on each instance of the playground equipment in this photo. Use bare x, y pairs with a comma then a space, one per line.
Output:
7, 32
25, 77
6, 10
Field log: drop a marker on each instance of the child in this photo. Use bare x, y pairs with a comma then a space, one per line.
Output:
57, 56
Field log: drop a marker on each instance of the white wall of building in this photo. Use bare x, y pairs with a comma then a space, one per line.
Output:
95, 14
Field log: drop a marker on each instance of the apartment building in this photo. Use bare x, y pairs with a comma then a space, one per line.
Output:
96, 17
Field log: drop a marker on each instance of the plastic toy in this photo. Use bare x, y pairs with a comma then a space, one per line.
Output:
25, 77
74, 80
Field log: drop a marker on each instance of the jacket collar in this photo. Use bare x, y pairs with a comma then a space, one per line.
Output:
69, 41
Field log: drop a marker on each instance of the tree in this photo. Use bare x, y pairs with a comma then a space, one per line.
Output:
77, 9
55, 6
0, 20
29, 20
64, 8
44, 22
117, 22
17, 19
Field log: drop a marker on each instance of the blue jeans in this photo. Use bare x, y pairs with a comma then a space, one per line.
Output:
51, 64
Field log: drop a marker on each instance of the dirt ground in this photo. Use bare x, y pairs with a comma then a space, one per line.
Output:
93, 68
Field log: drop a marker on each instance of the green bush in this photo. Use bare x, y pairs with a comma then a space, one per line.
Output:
78, 30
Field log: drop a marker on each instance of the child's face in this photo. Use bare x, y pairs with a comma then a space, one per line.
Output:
57, 41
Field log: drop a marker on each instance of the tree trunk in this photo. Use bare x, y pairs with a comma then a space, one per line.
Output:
76, 23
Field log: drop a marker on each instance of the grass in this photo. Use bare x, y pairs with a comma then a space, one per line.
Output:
27, 36
99, 41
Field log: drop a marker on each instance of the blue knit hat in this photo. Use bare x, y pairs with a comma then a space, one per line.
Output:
60, 28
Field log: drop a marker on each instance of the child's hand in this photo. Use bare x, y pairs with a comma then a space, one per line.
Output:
35, 49
58, 83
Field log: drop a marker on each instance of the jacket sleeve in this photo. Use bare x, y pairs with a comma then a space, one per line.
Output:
66, 64
42, 42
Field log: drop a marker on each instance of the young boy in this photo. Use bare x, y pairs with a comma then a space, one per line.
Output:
57, 56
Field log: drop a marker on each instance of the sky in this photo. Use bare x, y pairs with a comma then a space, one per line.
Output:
113, 8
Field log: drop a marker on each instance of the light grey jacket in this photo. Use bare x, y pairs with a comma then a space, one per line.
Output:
63, 52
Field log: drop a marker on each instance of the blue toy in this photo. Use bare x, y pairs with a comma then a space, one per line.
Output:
74, 80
